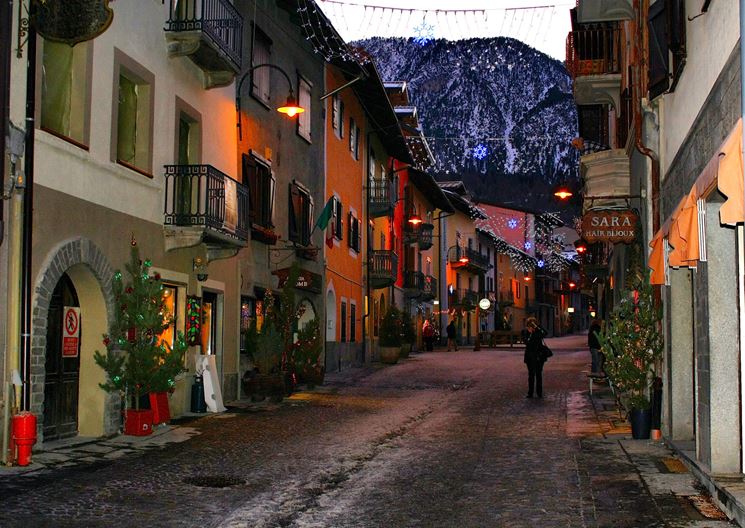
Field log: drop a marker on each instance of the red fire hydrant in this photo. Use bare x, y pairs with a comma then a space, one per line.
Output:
24, 436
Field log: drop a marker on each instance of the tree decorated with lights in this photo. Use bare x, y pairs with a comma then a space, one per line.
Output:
632, 342
136, 361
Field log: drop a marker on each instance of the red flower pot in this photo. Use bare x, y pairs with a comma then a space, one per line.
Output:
138, 422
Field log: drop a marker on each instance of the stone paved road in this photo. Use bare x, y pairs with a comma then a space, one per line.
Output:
441, 440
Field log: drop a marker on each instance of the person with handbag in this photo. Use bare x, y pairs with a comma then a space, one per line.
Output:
536, 354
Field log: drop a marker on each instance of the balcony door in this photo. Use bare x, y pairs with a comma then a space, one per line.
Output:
187, 151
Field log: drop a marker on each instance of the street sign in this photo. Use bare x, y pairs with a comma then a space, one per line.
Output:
70, 332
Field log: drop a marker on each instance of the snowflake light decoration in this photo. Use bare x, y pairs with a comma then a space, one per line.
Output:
512, 223
528, 244
540, 263
424, 33
480, 151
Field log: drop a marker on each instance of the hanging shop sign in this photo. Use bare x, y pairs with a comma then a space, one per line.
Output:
614, 226
484, 304
306, 280
71, 21
71, 332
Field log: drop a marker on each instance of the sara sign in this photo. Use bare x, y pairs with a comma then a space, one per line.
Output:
609, 226
70, 331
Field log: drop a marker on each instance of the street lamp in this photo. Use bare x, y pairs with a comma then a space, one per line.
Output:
291, 108
563, 193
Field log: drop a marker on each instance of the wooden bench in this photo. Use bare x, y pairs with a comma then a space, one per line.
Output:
510, 336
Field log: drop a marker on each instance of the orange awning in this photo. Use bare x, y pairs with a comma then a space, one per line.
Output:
730, 178
683, 234
657, 260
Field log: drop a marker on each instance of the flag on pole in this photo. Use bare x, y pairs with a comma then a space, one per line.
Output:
323, 221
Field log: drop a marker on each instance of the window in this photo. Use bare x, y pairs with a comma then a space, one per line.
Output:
134, 122
303, 120
338, 219
354, 139
352, 322
354, 234
343, 321
300, 215
260, 180
261, 77
170, 303
337, 115
64, 90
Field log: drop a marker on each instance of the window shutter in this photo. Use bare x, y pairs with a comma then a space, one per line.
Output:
659, 66
676, 23
295, 213
272, 184
335, 112
308, 220
341, 119
351, 134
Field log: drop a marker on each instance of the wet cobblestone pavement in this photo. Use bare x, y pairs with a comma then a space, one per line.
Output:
440, 440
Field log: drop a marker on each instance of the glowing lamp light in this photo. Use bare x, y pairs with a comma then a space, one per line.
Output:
563, 193
592, 313
415, 219
570, 309
527, 279
291, 107
572, 285
580, 246
464, 260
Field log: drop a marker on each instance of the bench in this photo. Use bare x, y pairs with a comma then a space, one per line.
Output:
509, 336
595, 377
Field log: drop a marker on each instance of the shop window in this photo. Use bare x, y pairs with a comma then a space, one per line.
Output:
170, 305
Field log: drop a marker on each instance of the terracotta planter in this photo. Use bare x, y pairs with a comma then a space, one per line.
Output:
138, 422
390, 355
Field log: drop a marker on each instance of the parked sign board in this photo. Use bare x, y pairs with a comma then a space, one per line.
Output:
612, 226
70, 332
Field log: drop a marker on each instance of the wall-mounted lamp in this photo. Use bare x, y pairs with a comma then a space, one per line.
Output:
291, 108
563, 193
580, 246
415, 219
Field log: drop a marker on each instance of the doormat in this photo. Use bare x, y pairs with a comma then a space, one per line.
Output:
706, 507
674, 465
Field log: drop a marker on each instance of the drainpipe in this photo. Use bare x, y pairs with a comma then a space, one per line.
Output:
740, 257
26, 241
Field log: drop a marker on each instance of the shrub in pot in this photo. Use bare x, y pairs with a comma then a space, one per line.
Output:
390, 336
632, 344
307, 354
408, 334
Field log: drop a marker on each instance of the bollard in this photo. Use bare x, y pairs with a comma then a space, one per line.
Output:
24, 436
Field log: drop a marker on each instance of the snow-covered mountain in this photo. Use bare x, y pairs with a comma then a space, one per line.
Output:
497, 113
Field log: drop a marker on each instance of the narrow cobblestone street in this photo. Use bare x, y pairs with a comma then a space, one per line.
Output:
440, 440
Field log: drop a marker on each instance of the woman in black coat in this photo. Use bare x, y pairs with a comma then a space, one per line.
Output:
534, 357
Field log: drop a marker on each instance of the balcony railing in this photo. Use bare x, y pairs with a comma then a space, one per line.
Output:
463, 297
477, 260
413, 283
382, 197
383, 268
425, 236
593, 52
202, 196
210, 32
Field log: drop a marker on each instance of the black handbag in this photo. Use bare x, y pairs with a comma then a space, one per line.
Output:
545, 351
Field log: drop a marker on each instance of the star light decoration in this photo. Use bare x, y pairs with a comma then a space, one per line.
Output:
424, 33
480, 151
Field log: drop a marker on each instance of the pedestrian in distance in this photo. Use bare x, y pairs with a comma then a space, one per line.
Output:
451, 335
534, 357
593, 343
428, 333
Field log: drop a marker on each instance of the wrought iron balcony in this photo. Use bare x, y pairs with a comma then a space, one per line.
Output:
382, 197
468, 258
425, 236
383, 268
594, 62
210, 33
413, 284
463, 298
203, 204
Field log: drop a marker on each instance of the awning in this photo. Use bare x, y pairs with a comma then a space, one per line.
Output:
681, 229
729, 178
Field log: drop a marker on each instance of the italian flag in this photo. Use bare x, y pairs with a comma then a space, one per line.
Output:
324, 219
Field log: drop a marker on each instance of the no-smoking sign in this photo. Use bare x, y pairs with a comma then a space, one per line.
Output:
71, 332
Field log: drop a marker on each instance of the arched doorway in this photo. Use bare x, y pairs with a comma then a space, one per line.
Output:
62, 363
309, 313
330, 316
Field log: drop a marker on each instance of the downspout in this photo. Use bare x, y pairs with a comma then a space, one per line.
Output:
740, 259
28, 200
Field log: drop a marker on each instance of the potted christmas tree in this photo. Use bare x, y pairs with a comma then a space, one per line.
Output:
390, 336
307, 354
408, 334
136, 361
632, 344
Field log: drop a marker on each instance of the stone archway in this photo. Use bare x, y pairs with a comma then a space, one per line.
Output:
90, 272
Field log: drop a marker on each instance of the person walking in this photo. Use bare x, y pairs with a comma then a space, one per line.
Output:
593, 343
534, 357
451, 335
428, 333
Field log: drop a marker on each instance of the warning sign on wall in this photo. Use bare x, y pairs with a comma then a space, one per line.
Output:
71, 332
